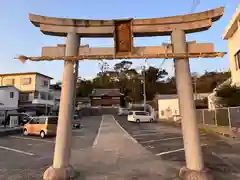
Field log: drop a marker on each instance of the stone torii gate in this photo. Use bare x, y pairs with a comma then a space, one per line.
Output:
123, 32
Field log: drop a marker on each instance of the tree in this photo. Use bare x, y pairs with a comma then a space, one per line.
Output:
228, 96
210, 80
152, 77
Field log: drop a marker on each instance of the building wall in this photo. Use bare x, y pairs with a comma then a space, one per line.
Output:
6, 99
167, 108
42, 83
36, 83
234, 47
18, 82
98, 101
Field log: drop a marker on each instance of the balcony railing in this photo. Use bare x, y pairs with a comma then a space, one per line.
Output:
41, 101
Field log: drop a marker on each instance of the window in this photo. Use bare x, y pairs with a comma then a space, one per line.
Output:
162, 113
11, 94
52, 120
130, 113
33, 121
36, 94
24, 97
44, 83
141, 113
237, 60
26, 81
9, 81
41, 120
43, 95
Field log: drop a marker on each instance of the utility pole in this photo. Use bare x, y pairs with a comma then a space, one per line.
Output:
144, 85
195, 87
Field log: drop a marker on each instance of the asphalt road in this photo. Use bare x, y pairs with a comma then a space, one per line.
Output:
27, 157
164, 140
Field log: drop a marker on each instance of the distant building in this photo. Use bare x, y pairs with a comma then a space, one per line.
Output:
83, 102
55, 91
34, 90
106, 97
232, 34
9, 99
168, 104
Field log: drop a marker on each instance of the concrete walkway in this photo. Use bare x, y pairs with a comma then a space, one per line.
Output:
117, 156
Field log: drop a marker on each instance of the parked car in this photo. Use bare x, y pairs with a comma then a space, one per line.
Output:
123, 111
41, 125
76, 121
140, 116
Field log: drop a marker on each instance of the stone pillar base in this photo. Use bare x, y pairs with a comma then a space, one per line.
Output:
188, 174
59, 173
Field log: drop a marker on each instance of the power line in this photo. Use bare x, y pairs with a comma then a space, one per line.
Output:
194, 5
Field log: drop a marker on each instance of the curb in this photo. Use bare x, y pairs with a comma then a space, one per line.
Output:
11, 132
219, 133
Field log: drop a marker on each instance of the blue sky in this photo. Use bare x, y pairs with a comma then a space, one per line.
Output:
19, 36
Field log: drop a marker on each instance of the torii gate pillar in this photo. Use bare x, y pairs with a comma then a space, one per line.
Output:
61, 168
193, 153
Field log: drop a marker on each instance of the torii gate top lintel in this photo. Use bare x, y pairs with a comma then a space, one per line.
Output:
190, 23
123, 31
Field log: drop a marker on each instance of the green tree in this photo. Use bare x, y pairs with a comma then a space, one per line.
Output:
229, 96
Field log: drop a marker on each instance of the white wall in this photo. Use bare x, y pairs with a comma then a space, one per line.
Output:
167, 108
39, 83
234, 47
6, 99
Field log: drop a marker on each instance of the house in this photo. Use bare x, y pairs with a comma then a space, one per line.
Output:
9, 99
34, 90
106, 97
168, 104
55, 91
83, 102
232, 35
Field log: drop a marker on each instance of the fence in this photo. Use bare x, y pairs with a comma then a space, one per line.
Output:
225, 117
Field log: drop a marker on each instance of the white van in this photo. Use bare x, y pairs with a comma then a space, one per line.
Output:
140, 116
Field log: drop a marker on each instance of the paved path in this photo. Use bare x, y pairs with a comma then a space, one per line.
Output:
221, 155
115, 155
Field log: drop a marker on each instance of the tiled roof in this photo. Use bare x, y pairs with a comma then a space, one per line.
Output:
5, 87
106, 92
25, 73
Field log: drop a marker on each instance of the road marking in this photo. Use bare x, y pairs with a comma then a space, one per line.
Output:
127, 134
147, 134
143, 130
98, 134
166, 139
158, 140
28, 138
173, 151
15, 150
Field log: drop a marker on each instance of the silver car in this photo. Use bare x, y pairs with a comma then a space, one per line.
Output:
123, 111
